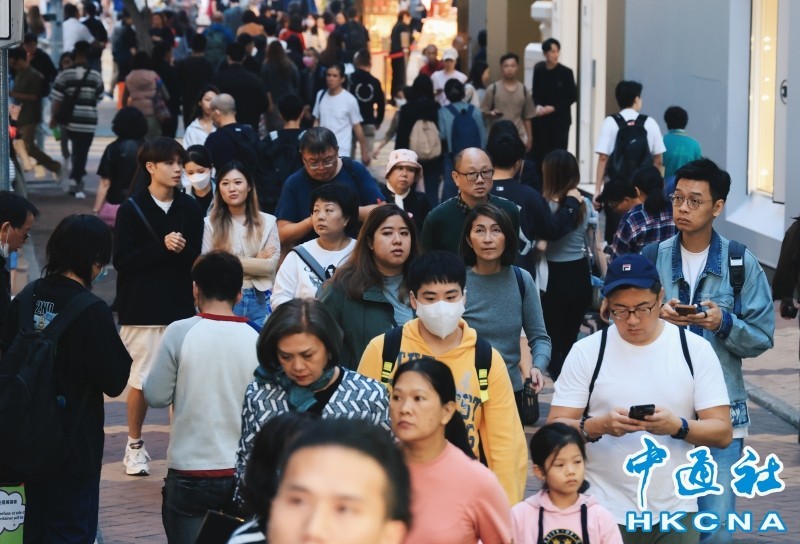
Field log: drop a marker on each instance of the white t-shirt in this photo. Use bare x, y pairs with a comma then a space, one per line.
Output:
439, 78
693, 264
74, 31
608, 133
653, 374
295, 278
338, 113
163, 205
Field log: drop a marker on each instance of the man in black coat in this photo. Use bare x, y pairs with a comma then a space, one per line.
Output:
245, 87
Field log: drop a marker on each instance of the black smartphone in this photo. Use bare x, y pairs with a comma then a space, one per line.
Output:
641, 410
686, 309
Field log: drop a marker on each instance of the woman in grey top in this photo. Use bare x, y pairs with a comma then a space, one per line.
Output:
502, 298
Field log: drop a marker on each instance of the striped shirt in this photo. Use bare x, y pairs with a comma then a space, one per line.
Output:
90, 92
637, 228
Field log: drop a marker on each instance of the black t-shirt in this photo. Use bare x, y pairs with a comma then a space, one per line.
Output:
323, 397
119, 165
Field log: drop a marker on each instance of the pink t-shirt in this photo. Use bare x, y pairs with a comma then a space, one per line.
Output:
457, 500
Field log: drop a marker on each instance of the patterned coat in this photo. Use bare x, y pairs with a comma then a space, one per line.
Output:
356, 397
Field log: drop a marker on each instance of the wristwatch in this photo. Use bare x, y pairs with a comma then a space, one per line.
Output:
683, 431
585, 435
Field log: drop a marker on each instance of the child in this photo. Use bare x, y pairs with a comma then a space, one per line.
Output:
561, 508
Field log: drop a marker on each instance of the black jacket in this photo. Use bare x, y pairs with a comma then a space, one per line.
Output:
247, 91
154, 285
413, 111
369, 93
415, 203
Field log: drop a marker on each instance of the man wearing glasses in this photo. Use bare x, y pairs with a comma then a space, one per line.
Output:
642, 360
472, 174
17, 215
319, 151
694, 268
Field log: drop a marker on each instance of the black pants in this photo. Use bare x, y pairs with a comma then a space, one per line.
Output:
398, 75
569, 293
81, 142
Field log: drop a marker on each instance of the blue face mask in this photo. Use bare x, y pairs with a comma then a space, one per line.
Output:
102, 275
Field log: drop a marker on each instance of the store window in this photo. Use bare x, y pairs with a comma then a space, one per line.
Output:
763, 63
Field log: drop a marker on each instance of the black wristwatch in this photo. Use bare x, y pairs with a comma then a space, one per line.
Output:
585, 435
683, 431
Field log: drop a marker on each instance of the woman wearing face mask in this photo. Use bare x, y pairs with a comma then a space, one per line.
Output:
118, 165
312, 81
237, 226
503, 298
368, 292
196, 177
334, 208
201, 125
315, 35
455, 499
300, 371
403, 179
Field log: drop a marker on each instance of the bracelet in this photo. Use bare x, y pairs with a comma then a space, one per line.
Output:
721, 322
586, 436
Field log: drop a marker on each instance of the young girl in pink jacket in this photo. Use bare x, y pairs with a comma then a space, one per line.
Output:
561, 511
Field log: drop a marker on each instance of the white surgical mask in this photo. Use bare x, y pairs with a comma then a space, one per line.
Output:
441, 318
4, 246
200, 180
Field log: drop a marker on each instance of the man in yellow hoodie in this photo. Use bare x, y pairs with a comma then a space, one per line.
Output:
436, 282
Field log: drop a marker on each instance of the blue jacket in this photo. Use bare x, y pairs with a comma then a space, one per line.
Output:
747, 336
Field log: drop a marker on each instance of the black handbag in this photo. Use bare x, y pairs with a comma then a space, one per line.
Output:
530, 404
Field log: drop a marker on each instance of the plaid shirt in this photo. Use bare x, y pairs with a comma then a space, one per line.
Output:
637, 228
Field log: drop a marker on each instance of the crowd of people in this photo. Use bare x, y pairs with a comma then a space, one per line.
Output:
269, 287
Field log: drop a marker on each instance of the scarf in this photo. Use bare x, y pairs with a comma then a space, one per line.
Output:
398, 199
300, 397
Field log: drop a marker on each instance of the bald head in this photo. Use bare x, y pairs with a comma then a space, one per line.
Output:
473, 163
471, 154
224, 103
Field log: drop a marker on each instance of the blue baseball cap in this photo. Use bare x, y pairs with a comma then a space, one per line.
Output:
631, 270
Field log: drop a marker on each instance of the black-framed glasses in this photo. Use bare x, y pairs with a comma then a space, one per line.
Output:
473, 176
640, 312
693, 203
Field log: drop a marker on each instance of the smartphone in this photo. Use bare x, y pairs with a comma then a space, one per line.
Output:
685, 309
641, 410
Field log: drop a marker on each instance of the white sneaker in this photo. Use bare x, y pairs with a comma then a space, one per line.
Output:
80, 195
136, 459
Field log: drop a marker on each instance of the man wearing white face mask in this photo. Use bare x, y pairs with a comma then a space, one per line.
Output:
436, 281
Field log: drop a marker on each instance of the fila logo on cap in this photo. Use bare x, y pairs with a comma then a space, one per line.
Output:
626, 267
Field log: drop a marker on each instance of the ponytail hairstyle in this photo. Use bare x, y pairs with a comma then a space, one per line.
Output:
441, 379
650, 183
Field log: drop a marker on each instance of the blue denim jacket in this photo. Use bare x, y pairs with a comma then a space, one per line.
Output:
747, 336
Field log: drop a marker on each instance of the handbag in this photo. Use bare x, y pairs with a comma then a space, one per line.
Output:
160, 109
529, 413
64, 115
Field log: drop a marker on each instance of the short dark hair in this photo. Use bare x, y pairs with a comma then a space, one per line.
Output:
290, 107
244, 38
77, 243
616, 190
509, 55
676, 118
362, 58
369, 440
70, 11
421, 88
129, 124
704, 169
235, 51
161, 149
548, 44
436, 267
219, 276
141, 61
30, 37
504, 149
199, 154
249, 17
482, 37
627, 92
17, 53
340, 194
298, 316
198, 43
81, 48
454, 90
318, 140
160, 52
509, 255
15, 209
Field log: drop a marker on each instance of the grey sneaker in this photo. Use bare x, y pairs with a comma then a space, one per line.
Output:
80, 195
136, 458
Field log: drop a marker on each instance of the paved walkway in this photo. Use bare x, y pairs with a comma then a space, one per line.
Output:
130, 506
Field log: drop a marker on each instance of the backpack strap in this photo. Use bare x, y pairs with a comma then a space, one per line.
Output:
141, 215
68, 314
736, 272
640, 120
494, 94
620, 120
585, 523
598, 364
540, 538
685, 348
391, 349
452, 109
650, 251
312, 263
520, 281
483, 363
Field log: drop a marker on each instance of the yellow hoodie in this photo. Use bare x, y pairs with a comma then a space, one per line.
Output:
495, 424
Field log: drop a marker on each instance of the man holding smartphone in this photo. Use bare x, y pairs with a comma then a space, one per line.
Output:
608, 379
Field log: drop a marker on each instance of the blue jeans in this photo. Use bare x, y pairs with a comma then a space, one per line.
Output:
432, 172
722, 504
254, 305
186, 501
62, 510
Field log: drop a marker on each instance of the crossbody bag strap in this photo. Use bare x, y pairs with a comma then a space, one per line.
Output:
312, 263
603, 338
141, 215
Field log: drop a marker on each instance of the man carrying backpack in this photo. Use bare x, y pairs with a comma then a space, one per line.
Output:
732, 298
510, 99
460, 127
627, 141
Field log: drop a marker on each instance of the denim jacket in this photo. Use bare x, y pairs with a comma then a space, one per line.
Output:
748, 335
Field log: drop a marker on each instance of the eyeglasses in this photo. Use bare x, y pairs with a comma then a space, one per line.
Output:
640, 313
693, 203
473, 176
316, 165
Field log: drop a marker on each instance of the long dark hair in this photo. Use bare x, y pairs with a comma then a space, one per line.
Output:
77, 243
276, 56
441, 379
360, 272
560, 174
198, 110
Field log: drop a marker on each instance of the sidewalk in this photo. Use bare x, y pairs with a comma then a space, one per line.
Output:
130, 507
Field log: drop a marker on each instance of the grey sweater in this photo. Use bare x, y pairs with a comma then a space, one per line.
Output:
496, 311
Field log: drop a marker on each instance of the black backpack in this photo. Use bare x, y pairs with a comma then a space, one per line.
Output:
255, 154
631, 149
32, 431
282, 157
